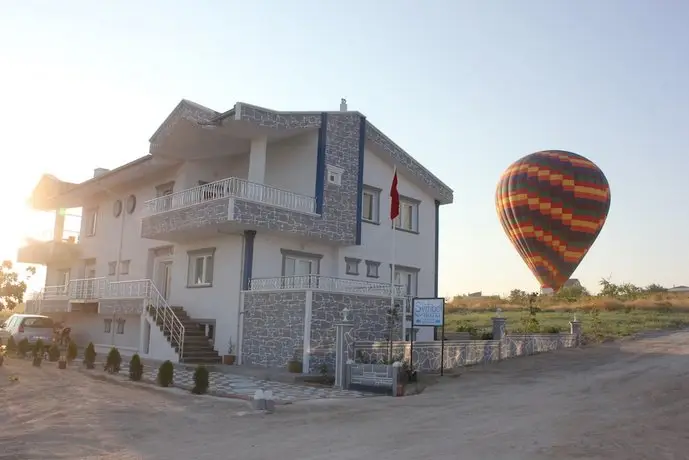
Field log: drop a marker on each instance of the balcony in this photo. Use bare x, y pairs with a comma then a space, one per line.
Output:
326, 284
96, 290
218, 205
44, 249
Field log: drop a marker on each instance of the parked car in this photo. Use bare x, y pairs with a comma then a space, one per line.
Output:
31, 327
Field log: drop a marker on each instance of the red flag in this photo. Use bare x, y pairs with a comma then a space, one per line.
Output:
394, 198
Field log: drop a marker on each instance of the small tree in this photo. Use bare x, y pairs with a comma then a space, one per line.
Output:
530, 322
11, 344
113, 361
136, 368
53, 352
72, 351
11, 289
90, 356
24, 347
201, 380
166, 373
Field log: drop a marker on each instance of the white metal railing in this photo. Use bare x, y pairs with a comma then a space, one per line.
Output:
68, 236
100, 288
324, 283
231, 187
161, 311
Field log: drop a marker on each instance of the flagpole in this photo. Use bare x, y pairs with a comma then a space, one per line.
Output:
394, 212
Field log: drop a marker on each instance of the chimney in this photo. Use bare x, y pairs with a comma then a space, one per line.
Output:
99, 172
343, 105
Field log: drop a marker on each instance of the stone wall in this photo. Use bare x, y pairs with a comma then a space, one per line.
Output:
121, 307
463, 353
369, 314
192, 217
273, 327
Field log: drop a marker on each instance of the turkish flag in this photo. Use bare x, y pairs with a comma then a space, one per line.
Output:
394, 198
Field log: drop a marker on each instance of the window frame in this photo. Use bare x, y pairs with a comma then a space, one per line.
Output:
107, 326
91, 222
112, 268
371, 264
414, 218
352, 266
374, 193
412, 283
206, 254
124, 267
119, 326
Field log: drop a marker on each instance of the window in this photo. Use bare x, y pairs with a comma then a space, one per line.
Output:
38, 322
120, 326
370, 204
63, 277
117, 208
298, 266
352, 266
165, 189
408, 218
407, 277
112, 268
91, 221
372, 269
200, 272
131, 204
334, 174
107, 326
124, 267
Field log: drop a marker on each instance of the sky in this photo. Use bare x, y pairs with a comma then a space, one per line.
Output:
466, 87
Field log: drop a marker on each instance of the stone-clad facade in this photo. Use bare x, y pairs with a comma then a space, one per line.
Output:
273, 325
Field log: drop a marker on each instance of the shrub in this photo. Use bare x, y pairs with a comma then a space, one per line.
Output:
113, 361
136, 368
72, 351
37, 359
487, 336
552, 330
11, 344
166, 373
200, 380
90, 356
23, 347
38, 349
53, 352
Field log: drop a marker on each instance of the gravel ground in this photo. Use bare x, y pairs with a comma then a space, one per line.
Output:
619, 401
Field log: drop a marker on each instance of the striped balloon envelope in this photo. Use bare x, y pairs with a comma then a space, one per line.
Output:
552, 205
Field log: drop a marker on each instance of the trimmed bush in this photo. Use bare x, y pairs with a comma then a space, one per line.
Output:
113, 361
37, 360
90, 356
11, 344
201, 380
53, 353
72, 351
136, 368
166, 373
38, 349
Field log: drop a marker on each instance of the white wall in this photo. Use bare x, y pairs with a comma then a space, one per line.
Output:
413, 250
211, 170
221, 300
268, 255
291, 163
90, 328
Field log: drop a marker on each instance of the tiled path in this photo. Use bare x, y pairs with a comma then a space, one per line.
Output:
222, 384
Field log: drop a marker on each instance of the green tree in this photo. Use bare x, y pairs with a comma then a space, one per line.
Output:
518, 297
12, 290
572, 293
655, 288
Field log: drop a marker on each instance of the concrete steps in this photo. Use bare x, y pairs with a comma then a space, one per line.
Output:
197, 349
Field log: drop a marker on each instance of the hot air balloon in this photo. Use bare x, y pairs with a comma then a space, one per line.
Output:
552, 205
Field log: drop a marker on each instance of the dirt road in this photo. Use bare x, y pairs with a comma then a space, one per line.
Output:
619, 401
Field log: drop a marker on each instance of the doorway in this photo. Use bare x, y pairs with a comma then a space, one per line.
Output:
163, 278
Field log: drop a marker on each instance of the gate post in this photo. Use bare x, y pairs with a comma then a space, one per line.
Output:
342, 331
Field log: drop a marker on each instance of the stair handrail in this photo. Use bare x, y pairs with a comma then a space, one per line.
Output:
159, 308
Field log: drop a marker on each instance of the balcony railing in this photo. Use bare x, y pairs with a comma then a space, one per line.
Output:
324, 283
68, 236
232, 187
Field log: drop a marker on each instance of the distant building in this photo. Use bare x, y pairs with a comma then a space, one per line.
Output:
570, 283
679, 289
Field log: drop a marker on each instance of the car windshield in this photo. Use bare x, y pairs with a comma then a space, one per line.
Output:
43, 323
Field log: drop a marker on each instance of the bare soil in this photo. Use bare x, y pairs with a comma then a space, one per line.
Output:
626, 400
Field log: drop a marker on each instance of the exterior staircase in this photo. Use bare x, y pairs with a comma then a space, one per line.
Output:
197, 349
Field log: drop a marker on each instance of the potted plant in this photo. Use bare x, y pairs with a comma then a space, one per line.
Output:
3, 350
62, 362
230, 356
295, 365
90, 356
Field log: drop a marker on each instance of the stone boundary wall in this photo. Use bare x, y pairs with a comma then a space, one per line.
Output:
463, 352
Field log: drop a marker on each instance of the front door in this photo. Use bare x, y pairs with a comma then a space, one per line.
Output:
164, 278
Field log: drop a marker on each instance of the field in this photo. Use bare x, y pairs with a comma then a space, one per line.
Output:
608, 317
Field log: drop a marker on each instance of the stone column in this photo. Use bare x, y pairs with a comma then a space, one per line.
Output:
342, 330
498, 327
575, 330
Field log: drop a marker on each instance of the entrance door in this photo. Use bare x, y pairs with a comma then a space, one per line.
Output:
164, 278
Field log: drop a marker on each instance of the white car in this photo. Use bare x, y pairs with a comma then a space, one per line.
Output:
31, 327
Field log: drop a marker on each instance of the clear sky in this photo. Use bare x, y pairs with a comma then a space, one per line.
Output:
466, 87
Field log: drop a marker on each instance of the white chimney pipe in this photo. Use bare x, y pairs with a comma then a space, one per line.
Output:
100, 171
343, 105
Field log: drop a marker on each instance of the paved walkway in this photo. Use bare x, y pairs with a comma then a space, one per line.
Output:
222, 384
